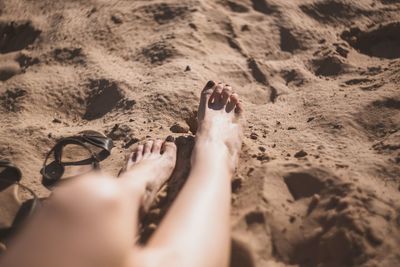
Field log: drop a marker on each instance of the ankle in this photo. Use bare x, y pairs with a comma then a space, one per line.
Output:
211, 153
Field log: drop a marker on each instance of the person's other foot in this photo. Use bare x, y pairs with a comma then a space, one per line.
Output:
151, 165
219, 122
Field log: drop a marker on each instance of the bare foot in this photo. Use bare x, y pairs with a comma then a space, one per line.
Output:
150, 166
219, 118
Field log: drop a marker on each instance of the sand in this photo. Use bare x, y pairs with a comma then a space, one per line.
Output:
318, 182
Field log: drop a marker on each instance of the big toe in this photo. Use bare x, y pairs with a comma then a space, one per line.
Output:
235, 105
169, 149
208, 90
226, 94
216, 97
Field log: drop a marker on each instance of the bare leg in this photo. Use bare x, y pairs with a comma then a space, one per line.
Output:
196, 229
92, 221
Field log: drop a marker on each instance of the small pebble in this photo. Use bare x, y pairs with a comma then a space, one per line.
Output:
254, 136
263, 157
131, 142
116, 19
178, 128
119, 132
300, 154
193, 26
236, 184
245, 28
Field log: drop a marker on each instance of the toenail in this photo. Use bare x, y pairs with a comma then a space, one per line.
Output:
210, 84
170, 138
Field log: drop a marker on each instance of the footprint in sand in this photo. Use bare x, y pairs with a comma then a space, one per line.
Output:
164, 13
69, 55
380, 117
333, 11
328, 66
103, 97
304, 184
382, 41
158, 52
15, 36
11, 99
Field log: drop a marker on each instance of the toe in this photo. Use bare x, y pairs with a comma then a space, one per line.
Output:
138, 153
132, 157
147, 147
169, 148
226, 93
131, 160
239, 109
216, 95
205, 99
207, 92
233, 100
157, 146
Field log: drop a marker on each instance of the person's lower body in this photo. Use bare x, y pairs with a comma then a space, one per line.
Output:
93, 220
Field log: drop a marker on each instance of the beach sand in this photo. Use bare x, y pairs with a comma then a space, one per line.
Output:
319, 177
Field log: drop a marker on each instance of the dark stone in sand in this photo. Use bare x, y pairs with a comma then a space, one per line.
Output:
116, 19
300, 154
132, 141
177, 128
254, 136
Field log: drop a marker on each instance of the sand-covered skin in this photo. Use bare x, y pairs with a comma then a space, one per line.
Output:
318, 182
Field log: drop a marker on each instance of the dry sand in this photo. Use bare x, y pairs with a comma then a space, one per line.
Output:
318, 181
